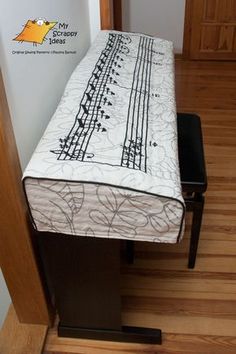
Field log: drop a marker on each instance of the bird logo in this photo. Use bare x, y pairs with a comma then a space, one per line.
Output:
35, 31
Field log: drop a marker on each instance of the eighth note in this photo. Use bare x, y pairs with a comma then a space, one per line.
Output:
81, 124
89, 97
85, 109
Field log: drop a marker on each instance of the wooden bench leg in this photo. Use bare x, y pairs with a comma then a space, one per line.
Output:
197, 205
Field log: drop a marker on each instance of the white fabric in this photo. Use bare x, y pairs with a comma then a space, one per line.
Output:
107, 165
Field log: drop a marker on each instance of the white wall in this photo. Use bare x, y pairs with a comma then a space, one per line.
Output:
94, 12
34, 83
161, 18
4, 299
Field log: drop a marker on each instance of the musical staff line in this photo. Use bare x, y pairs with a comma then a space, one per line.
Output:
100, 93
134, 148
96, 96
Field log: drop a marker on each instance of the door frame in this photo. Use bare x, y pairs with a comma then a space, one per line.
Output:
17, 256
111, 18
187, 29
111, 14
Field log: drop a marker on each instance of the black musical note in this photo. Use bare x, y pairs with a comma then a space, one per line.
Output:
105, 101
151, 143
93, 103
81, 124
89, 155
64, 142
84, 108
119, 58
96, 76
89, 97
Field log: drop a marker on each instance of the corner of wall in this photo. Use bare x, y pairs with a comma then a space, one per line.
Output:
94, 18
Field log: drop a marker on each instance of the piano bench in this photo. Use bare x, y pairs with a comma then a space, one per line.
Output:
193, 178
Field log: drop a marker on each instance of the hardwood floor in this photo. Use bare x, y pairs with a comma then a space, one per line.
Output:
18, 338
196, 309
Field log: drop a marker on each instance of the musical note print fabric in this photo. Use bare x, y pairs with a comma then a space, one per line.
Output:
114, 136
101, 93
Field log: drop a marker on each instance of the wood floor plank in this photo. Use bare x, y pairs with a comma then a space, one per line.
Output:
182, 324
180, 307
173, 344
194, 308
180, 288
